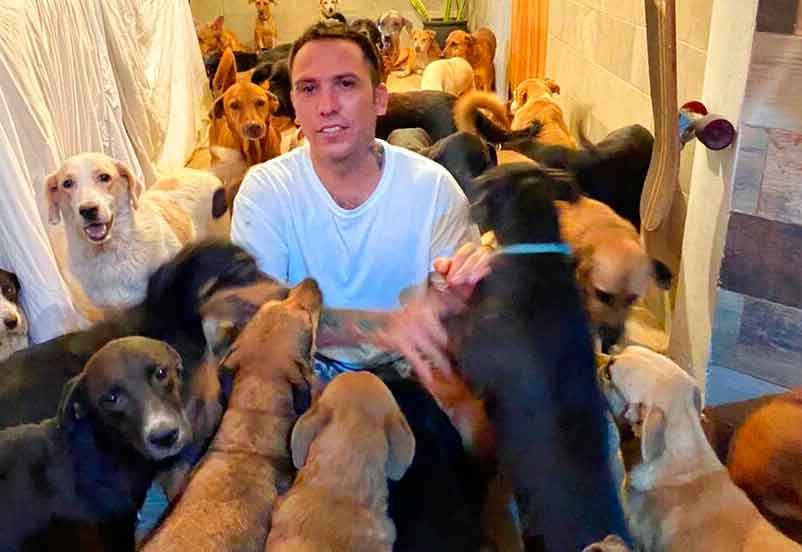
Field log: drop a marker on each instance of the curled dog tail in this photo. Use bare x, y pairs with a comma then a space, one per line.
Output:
468, 117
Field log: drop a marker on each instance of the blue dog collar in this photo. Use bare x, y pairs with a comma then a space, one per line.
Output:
533, 249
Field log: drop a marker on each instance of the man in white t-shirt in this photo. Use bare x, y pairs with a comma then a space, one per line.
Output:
367, 220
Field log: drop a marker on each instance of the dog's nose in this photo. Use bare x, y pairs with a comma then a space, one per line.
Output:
10, 323
89, 212
163, 438
254, 131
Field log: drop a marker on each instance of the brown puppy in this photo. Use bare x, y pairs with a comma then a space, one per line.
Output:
765, 457
242, 124
228, 501
613, 270
214, 36
264, 33
346, 446
479, 48
425, 50
679, 496
533, 101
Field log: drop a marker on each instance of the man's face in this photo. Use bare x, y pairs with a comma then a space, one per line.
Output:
335, 101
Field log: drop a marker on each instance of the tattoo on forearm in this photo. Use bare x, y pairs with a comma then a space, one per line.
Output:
348, 327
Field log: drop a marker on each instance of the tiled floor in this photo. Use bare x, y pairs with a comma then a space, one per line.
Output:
725, 385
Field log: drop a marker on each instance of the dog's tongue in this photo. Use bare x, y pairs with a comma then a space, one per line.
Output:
97, 231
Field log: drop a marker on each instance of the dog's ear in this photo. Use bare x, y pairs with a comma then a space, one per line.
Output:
15, 282
220, 336
565, 186
306, 429
135, 187
217, 24
401, 443
407, 25
73, 405
272, 99
218, 109
226, 74
553, 86
584, 265
653, 434
51, 192
662, 274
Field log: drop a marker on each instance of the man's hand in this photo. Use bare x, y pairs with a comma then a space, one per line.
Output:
460, 273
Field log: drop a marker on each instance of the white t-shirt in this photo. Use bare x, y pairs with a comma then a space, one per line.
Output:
362, 258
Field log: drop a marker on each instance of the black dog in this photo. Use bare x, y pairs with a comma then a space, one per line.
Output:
370, 29
247, 60
465, 155
277, 73
94, 462
526, 349
32, 379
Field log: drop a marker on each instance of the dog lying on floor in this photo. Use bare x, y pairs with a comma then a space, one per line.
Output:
346, 446
94, 462
679, 496
228, 501
424, 50
524, 341
118, 234
13, 322
533, 100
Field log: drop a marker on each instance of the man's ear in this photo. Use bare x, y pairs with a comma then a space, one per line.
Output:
380, 98
135, 187
51, 192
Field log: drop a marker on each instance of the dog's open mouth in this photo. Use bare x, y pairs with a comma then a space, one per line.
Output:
97, 232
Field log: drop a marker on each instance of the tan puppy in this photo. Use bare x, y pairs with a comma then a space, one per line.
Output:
214, 36
765, 457
391, 23
346, 446
613, 270
533, 100
117, 233
264, 33
453, 75
680, 497
425, 49
479, 49
228, 501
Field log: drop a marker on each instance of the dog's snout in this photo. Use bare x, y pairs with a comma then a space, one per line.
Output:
253, 130
10, 323
163, 438
88, 211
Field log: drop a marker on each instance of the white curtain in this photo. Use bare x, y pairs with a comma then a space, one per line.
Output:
124, 77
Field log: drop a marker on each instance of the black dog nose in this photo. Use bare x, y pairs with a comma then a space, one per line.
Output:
89, 213
163, 438
10, 323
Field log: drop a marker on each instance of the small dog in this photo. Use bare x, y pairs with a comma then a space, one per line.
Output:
94, 462
613, 270
453, 75
479, 49
118, 234
765, 457
346, 446
229, 499
425, 49
264, 34
679, 496
328, 10
14, 329
214, 36
533, 100
391, 23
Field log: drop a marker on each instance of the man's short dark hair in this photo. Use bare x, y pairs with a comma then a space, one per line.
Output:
326, 30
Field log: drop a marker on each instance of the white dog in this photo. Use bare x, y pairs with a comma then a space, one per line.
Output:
13, 323
679, 498
328, 9
453, 75
117, 235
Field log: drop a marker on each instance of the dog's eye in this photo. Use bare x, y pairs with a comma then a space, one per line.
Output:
67, 184
110, 399
234, 106
161, 373
604, 297
104, 177
8, 291
260, 103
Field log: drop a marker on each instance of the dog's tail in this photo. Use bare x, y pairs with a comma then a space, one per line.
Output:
469, 118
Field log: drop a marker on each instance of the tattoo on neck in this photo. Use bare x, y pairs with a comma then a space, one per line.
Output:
378, 153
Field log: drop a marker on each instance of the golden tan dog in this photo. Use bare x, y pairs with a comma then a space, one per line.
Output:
228, 501
391, 24
346, 446
425, 50
264, 33
214, 36
765, 457
479, 48
680, 497
613, 269
533, 101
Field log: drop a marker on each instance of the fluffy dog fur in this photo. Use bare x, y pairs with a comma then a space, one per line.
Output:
264, 33
228, 502
678, 494
613, 269
524, 341
454, 75
425, 49
479, 49
94, 462
214, 36
765, 457
13, 322
533, 100
346, 446
117, 235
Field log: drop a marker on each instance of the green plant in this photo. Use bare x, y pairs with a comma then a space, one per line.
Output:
458, 5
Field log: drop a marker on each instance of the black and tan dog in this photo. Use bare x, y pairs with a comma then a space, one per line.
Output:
94, 462
524, 347
13, 322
